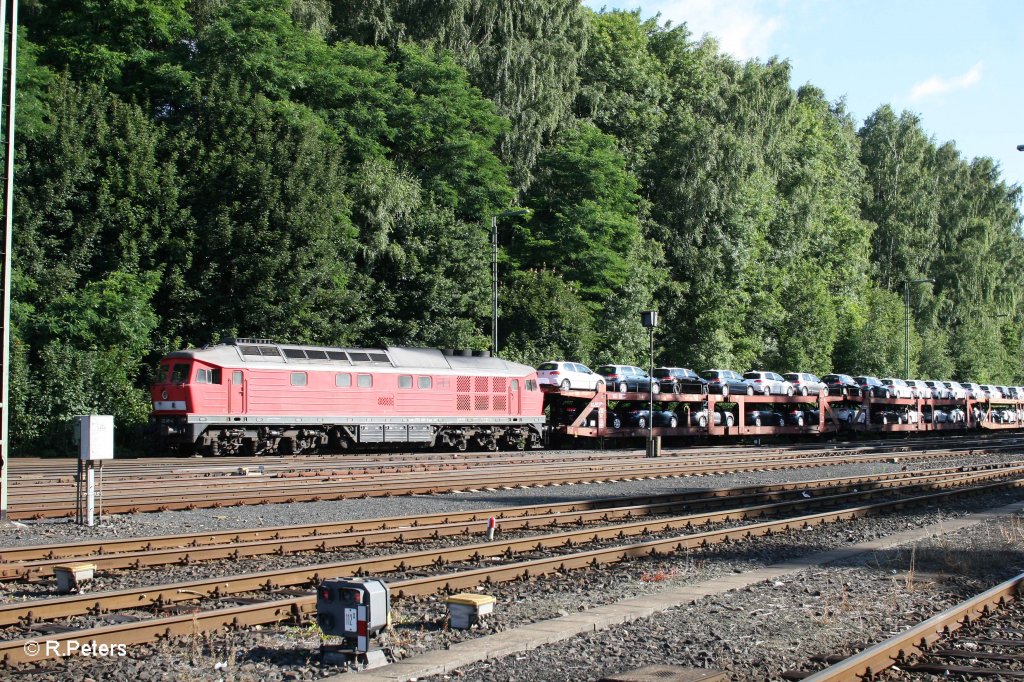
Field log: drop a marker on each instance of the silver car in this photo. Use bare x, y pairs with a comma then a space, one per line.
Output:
940, 389
806, 383
898, 388
767, 383
568, 376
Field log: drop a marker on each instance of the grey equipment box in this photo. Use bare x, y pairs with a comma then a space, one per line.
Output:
353, 608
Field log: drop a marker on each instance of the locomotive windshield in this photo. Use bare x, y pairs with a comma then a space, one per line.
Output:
179, 375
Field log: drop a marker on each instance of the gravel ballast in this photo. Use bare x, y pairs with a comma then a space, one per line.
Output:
754, 634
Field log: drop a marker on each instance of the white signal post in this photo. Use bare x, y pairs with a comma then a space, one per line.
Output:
9, 52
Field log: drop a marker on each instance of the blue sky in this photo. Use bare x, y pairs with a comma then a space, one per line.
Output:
958, 64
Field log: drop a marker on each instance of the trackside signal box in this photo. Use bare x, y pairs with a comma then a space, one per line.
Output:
353, 608
94, 434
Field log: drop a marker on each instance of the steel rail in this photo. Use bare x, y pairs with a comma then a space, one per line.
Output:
510, 479
917, 640
320, 537
37, 610
14, 652
328, 541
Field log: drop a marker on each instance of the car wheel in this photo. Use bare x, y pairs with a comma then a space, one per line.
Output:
655, 388
757, 421
789, 391
730, 420
675, 387
767, 390
622, 387
750, 390
884, 419
641, 423
565, 385
616, 422
800, 420
702, 422
803, 391
725, 390
673, 422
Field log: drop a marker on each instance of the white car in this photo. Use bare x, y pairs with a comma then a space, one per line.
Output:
974, 391
957, 391
898, 388
940, 389
568, 376
921, 389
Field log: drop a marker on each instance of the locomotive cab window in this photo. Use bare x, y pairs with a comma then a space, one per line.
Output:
236, 377
298, 378
364, 381
424, 382
405, 381
343, 380
180, 374
208, 376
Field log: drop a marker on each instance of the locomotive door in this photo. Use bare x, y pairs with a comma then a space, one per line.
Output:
513, 398
236, 393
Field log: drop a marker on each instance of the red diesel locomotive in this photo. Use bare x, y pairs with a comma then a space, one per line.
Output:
254, 396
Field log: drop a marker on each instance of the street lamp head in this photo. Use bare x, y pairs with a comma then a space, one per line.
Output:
649, 319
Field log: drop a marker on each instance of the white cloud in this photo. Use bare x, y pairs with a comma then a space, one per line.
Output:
743, 28
939, 86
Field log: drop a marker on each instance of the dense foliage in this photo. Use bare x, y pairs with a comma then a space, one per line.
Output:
325, 171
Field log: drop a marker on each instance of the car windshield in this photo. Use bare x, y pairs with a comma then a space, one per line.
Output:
548, 365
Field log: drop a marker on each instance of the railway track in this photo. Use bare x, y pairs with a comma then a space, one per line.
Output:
269, 597
980, 637
197, 490
35, 562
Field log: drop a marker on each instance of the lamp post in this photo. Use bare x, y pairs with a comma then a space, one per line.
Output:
494, 274
1020, 147
649, 319
906, 301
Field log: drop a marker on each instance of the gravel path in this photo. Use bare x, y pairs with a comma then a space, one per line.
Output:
754, 634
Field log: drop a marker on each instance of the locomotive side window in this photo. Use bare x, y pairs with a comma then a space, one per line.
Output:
298, 378
364, 380
180, 374
343, 380
236, 377
208, 376
424, 382
405, 381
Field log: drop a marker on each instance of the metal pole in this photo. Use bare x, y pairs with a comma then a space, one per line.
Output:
494, 285
9, 50
650, 389
906, 346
